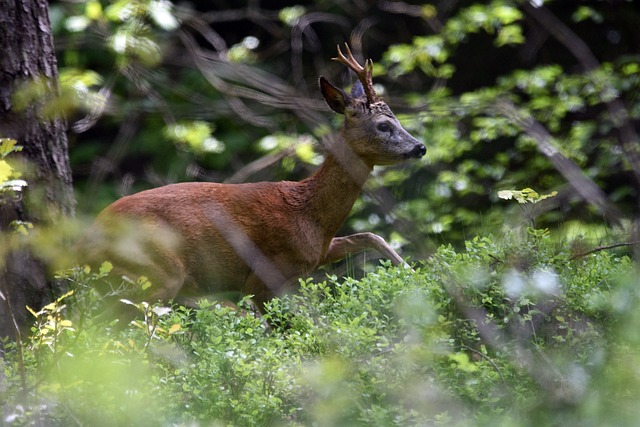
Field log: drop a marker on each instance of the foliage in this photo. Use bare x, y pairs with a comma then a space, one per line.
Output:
526, 195
517, 332
160, 92
518, 329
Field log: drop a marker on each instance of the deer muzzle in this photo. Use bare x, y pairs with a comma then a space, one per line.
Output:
416, 152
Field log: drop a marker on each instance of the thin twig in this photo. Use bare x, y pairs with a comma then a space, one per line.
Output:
488, 359
604, 248
19, 343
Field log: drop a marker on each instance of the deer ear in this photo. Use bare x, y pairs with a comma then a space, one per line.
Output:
335, 98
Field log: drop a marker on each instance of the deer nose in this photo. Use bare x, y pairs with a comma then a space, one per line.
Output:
417, 151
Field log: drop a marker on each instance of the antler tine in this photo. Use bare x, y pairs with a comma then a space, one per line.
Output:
364, 74
349, 62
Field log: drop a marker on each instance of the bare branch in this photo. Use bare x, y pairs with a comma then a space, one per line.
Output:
303, 28
605, 247
399, 7
238, 82
262, 163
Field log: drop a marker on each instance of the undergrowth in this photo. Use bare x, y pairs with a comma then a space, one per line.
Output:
511, 333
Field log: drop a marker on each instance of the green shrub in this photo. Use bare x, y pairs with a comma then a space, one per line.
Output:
515, 333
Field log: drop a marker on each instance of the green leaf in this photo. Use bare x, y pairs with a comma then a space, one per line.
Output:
5, 171
93, 10
162, 14
144, 283
462, 362
583, 13
305, 152
507, 14
526, 195
196, 136
119, 10
105, 268
509, 35
32, 311
291, 15
428, 11
8, 146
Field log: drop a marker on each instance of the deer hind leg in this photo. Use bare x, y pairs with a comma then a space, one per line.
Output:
342, 246
263, 290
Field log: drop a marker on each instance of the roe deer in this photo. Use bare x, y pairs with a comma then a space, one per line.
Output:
194, 239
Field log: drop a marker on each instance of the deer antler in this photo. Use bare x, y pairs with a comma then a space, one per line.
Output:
364, 73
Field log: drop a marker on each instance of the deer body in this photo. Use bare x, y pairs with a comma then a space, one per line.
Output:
195, 239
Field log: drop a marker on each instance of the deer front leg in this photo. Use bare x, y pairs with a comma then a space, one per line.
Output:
342, 246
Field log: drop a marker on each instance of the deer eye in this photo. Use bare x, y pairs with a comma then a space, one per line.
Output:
384, 127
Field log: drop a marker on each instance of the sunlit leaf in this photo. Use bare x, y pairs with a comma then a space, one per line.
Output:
93, 10
583, 13
290, 15
30, 310
507, 14
161, 311
161, 12
5, 171
196, 136
510, 34
7, 146
76, 24
428, 11
526, 195
305, 152
144, 283
105, 268
461, 361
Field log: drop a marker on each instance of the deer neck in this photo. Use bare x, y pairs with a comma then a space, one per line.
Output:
334, 187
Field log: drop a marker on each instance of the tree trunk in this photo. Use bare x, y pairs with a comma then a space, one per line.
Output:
28, 58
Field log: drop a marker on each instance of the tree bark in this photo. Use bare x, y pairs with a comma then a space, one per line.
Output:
28, 61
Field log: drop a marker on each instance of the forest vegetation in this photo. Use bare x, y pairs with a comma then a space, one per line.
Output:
521, 223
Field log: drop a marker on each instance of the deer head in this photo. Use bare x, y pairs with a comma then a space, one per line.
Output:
370, 128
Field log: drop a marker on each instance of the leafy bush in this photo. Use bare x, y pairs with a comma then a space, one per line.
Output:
519, 332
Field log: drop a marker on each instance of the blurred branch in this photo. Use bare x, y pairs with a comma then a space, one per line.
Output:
303, 28
403, 8
356, 36
604, 248
238, 82
488, 359
19, 343
563, 34
580, 182
629, 140
98, 107
267, 19
117, 151
263, 162
211, 36
139, 77
386, 203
